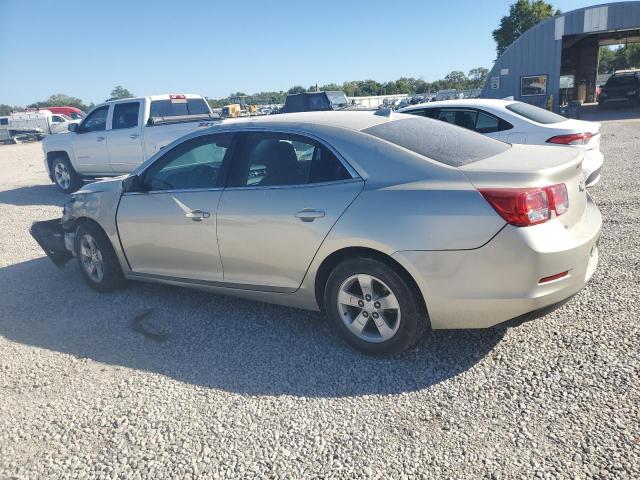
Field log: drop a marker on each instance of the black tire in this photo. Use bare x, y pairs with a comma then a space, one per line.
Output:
112, 277
74, 182
412, 317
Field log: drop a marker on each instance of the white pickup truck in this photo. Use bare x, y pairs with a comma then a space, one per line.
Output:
117, 136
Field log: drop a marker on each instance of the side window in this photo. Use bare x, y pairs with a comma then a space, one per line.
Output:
96, 121
125, 115
271, 159
425, 112
193, 164
56, 119
487, 123
4, 121
460, 117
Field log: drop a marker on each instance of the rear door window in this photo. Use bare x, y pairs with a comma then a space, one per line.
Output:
279, 159
125, 115
437, 140
424, 112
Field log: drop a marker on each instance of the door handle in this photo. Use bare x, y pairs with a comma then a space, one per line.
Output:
133, 136
197, 215
309, 214
99, 139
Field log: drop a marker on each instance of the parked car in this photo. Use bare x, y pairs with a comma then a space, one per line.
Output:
622, 88
116, 137
517, 122
315, 101
390, 223
71, 112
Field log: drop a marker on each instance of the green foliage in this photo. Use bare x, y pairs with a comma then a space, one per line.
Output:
296, 89
119, 93
61, 100
623, 57
523, 15
5, 110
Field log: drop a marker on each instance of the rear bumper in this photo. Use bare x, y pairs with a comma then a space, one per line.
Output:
499, 282
51, 237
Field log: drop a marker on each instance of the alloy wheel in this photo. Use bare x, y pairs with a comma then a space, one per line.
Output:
62, 175
91, 258
369, 308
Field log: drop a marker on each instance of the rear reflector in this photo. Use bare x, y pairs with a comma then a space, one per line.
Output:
523, 207
572, 139
554, 277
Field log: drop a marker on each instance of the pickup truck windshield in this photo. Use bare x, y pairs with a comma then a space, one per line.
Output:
338, 99
167, 108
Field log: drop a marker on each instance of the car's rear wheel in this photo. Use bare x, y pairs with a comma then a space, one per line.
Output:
374, 307
64, 175
97, 259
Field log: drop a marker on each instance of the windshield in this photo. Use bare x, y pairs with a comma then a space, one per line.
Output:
439, 141
168, 108
622, 81
536, 114
76, 116
337, 99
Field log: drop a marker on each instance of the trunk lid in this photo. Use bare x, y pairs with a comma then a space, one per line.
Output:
529, 166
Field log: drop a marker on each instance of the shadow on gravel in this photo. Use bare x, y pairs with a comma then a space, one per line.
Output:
34, 195
215, 341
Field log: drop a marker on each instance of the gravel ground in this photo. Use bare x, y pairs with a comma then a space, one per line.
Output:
234, 389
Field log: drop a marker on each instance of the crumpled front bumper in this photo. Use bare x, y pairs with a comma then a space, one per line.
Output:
51, 237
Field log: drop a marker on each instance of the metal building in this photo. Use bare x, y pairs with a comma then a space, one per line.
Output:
557, 60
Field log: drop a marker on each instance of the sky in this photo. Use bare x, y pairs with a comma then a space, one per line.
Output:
85, 48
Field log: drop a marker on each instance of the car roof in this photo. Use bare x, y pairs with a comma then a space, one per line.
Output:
345, 119
465, 102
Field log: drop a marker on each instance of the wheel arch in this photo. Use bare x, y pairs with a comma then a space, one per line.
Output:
332, 260
55, 154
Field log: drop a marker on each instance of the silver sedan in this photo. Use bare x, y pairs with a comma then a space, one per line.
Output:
390, 223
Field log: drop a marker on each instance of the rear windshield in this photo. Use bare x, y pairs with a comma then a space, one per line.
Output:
338, 99
167, 108
440, 141
536, 114
622, 81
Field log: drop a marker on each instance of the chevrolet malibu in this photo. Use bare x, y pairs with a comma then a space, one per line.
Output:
390, 223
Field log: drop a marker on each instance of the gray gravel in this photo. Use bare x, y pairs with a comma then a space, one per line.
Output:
226, 388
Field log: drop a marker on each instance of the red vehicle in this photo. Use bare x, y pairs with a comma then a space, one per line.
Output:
73, 112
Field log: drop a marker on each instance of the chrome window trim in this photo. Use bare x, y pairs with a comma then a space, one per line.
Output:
178, 190
297, 185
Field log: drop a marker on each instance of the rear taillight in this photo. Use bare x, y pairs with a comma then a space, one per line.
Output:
572, 139
523, 207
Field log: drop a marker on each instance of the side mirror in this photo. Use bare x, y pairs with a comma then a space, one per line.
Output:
72, 127
133, 183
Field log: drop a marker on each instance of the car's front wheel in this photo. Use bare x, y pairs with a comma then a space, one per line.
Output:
374, 307
98, 261
64, 175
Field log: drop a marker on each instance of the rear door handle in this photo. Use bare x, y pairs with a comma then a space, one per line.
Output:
309, 214
133, 136
99, 139
197, 215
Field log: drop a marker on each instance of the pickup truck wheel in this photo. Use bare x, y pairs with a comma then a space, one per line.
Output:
64, 175
97, 259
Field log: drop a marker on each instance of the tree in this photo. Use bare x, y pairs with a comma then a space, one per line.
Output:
119, 93
61, 100
456, 79
623, 57
523, 15
5, 110
296, 89
477, 76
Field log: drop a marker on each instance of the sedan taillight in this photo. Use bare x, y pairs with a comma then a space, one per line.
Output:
523, 207
572, 139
